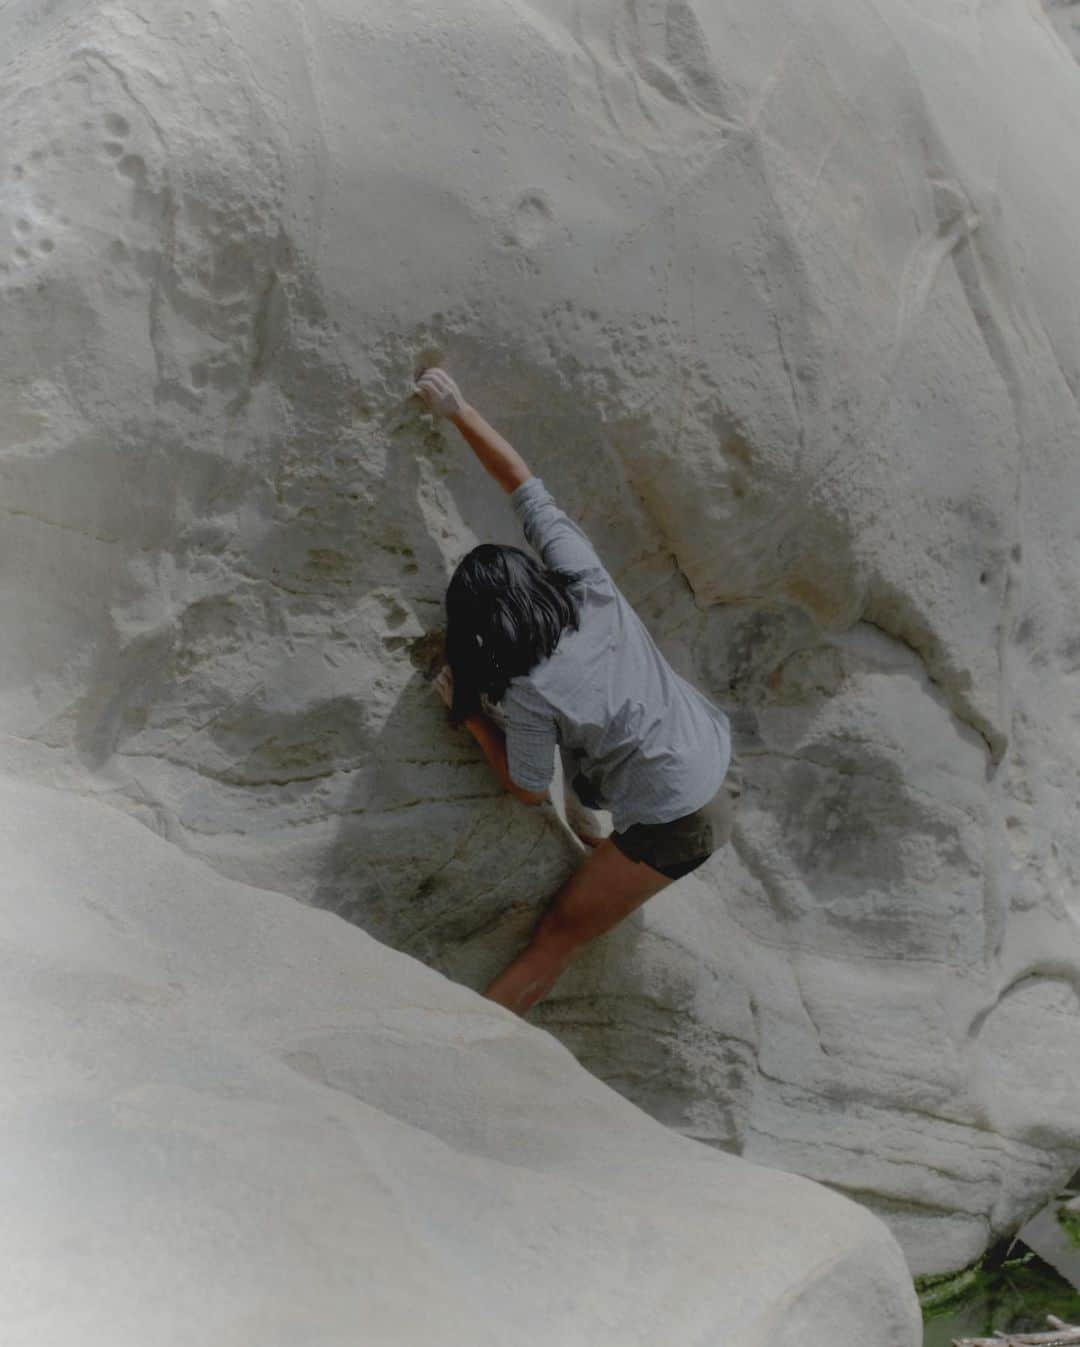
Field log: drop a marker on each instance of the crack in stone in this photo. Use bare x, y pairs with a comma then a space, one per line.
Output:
871, 1198
69, 528
961, 711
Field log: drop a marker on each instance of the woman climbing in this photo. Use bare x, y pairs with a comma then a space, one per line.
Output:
562, 658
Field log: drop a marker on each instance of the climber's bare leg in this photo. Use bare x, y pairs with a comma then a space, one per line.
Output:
607, 887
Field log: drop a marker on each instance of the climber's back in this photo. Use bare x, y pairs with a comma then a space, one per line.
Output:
648, 744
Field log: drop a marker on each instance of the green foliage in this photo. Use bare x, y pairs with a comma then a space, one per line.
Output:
1010, 1290
947, 1291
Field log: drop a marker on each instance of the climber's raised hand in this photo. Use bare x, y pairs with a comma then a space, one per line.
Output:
498, 456
440, 392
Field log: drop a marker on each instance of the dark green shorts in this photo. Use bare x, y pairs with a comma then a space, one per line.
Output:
681, 845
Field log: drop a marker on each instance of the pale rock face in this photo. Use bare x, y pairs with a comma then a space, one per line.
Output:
1065, 16
782, 307
228, 1118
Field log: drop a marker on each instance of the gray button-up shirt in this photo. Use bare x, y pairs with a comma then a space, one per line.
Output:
651, 747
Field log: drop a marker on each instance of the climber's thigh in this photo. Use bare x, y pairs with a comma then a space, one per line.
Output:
606, 887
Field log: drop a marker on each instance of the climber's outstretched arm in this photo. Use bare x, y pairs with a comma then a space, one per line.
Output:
498, 456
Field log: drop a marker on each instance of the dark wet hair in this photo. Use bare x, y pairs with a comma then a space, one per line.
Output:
504, 614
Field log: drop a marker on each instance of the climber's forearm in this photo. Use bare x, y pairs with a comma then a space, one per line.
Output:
497, 455
493, 742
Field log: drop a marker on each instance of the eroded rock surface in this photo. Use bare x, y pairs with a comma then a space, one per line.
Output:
781, 304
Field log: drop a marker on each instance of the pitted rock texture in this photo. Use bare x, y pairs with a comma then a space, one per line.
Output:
780, 303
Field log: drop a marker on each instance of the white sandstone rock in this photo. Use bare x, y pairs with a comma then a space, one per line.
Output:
228, 1118
780, 300
1065, 16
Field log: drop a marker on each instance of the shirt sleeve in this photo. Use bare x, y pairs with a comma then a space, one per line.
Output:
561, 543
532, 738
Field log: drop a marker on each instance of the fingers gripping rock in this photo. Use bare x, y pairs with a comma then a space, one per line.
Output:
440, 392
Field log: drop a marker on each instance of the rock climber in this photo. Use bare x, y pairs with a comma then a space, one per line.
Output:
558, 655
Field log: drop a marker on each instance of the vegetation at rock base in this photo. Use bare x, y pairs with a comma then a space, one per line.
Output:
1010, 1290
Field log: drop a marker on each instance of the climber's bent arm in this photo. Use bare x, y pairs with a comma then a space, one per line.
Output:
492, 740
497, 455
